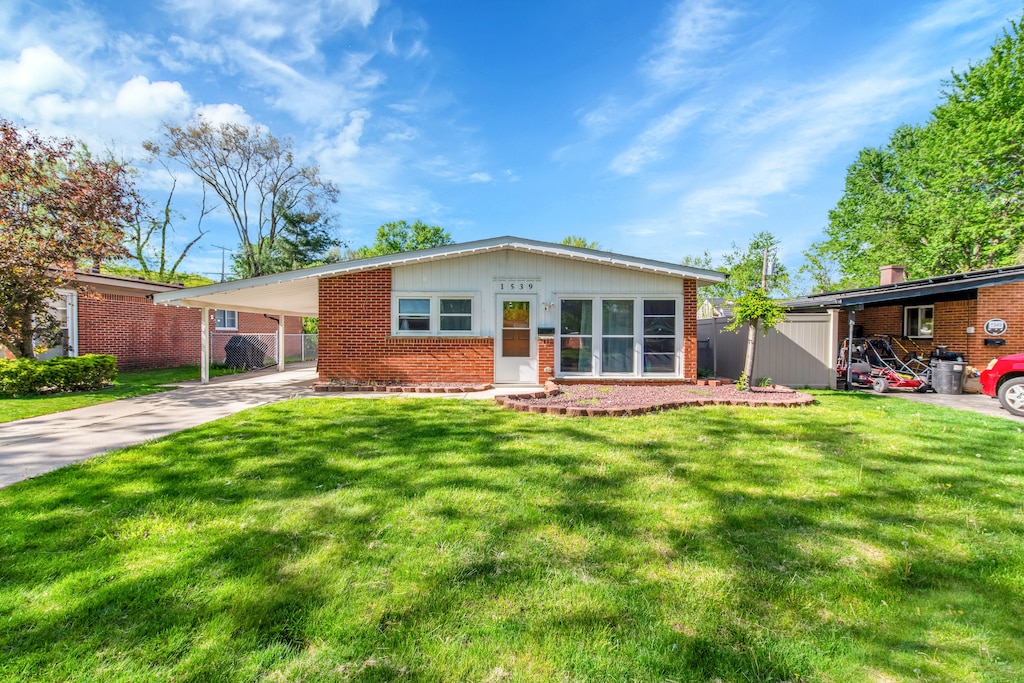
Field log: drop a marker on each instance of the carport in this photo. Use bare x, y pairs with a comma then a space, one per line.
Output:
293, 293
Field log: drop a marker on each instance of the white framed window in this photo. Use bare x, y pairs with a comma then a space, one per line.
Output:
918, 321
434, 314
619, 336
576, 339
225, 320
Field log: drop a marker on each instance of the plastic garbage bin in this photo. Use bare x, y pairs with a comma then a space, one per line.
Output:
948, 376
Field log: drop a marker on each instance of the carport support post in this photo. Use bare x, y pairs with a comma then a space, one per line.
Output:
204, 362
849, 350
280, 343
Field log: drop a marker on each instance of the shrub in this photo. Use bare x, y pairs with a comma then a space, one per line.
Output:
27, 376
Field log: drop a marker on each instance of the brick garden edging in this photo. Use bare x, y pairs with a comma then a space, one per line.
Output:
518, 402
334, 387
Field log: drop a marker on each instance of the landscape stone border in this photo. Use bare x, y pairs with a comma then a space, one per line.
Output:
338, 387
517, 402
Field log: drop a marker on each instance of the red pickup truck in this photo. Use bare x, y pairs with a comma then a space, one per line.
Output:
1004, 379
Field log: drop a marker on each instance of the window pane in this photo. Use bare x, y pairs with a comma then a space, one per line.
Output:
577, 316
456, 306
659, 362
577, 354
659, 345
515, 314
414, 306
659, 307
617, 354
659, 326
456, 323
414, 324
618, 317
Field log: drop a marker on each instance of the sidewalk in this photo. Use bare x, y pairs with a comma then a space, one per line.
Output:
40, 444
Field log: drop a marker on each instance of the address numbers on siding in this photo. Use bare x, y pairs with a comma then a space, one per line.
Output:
526, 285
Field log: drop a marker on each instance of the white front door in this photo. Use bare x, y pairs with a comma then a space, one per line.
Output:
515, 340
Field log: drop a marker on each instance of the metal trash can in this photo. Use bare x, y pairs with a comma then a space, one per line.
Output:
948, 376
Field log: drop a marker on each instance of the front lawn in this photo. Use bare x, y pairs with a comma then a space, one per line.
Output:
129, 384
865, 538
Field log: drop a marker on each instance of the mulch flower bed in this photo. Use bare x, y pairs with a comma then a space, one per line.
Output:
401, 387
612, 399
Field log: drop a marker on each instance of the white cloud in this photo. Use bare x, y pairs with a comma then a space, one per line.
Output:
480, 177
695, 28
139, 99
220, 114
650, 145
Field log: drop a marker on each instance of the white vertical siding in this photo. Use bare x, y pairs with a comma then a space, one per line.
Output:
557, 277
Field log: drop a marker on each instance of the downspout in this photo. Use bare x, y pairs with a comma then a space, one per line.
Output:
280, 340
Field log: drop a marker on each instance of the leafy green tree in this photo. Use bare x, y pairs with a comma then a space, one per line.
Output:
304, 239
577, 241
58, 206
254, 174
399, 236
744, 266
944, 197
758, 310
185, 278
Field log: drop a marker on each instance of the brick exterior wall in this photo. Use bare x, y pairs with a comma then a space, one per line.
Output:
145, 336
356, 342
1006, 302
140, 334
952, 318
690, 330
545, 359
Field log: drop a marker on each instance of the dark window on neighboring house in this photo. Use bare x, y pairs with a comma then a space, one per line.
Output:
918, 321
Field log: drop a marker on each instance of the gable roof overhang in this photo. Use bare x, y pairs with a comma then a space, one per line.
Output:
296, 292
910, 289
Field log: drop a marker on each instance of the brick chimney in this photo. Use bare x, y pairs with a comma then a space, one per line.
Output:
893, 275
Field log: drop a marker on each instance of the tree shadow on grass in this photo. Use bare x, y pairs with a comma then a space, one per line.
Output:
371, 528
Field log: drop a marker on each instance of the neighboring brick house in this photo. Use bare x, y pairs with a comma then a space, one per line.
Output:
977, 315
503, 310
116, 315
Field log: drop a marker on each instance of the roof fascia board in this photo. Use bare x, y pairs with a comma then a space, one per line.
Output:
199, 303
449, 251
912, 292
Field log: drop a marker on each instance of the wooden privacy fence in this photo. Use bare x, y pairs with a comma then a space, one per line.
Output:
800, 352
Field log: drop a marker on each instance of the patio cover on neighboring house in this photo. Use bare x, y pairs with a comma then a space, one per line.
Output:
296, 292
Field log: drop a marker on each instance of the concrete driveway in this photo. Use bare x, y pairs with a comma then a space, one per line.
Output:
975, 403
40, 444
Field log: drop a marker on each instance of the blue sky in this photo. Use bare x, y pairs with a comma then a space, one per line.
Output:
659, 129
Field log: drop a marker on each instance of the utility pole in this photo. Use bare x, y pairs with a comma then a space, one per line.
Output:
223, 250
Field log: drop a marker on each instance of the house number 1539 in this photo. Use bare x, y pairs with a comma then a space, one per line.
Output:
517, 285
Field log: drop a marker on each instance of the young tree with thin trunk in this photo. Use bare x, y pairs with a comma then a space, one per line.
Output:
58, 206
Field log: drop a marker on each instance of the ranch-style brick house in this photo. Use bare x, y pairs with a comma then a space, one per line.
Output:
505, 310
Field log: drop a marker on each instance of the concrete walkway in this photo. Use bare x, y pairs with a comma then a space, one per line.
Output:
41, 444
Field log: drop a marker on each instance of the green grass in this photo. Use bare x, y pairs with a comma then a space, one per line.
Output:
128, 384
861, 539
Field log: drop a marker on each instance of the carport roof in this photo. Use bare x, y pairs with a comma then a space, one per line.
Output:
296, 292
908, 289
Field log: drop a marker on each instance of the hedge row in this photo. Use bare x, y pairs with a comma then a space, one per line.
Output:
27, 376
